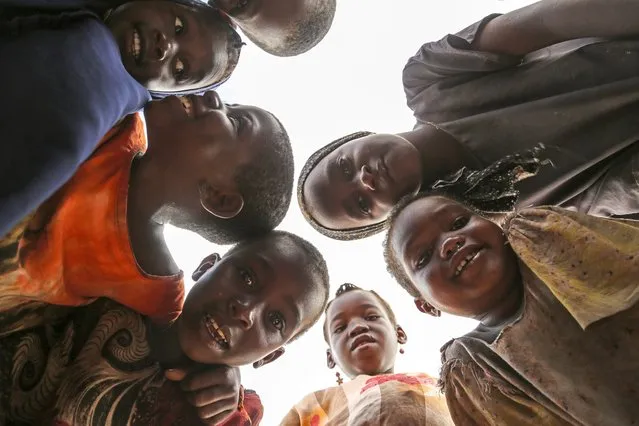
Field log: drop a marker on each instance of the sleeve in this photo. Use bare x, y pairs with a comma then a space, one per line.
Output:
449, 62
62, 91
250, 410
590, 263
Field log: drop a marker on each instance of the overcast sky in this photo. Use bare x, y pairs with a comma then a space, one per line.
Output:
351, 81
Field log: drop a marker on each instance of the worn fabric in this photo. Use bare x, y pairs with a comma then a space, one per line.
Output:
579, 98
94, 366
569, 356
76, 246
387, 399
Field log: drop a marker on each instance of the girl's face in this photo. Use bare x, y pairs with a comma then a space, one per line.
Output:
460, 262
170, 47
358, 183
361, 336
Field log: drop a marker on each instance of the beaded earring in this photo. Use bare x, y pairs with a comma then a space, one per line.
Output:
339, 378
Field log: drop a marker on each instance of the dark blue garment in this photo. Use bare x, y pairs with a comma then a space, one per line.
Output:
63, 87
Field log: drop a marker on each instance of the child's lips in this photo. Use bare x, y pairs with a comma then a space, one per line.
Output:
216, 331
136, 46
361, 340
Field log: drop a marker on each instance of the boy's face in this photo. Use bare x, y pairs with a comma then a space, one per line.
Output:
248, 305
270, 18
359, 183
170, 47
459, 261
362, 338
201, 143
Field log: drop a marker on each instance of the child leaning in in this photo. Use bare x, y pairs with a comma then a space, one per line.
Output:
554, 292
224, 172
90, 66
243, 309
363, 338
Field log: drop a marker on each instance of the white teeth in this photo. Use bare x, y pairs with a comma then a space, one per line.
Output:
216, 331
465, 262
187, 104
136, 45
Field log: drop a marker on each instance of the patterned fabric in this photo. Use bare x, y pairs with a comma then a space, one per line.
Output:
387, 399
76, 248
569, 356
95, 367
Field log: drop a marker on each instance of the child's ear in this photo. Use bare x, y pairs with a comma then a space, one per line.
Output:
330, 362
225, 204
402, 338
426, 308
269, 358
207, 263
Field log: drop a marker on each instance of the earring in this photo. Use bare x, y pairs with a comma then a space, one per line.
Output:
401, 350
339, 378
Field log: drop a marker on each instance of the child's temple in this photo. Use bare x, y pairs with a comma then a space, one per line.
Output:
226, 212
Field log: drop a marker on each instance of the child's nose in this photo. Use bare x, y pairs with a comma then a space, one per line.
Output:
243, 313
358, 329
162, 46
212, 100
367, 179
450, 247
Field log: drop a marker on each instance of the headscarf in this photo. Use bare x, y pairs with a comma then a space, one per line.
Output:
336, 234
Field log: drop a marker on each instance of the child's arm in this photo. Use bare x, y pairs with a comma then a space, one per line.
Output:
549, 22
590, 264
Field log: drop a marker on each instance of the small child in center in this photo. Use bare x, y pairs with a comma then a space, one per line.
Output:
555, 293
364, 337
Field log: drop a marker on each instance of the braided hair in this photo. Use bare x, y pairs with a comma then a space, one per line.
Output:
348, 287
335, 234
488, 191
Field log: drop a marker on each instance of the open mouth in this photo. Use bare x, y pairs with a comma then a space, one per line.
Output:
216, 332
187, 104
466, 261
136, 45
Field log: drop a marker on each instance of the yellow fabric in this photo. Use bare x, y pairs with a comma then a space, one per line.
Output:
591, 264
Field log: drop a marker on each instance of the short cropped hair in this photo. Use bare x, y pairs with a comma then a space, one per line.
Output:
315, 266
303, 34
266, 184
348, 287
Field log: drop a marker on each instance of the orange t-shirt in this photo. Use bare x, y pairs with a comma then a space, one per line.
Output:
76, 247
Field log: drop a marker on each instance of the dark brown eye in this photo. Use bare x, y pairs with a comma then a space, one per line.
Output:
459, 223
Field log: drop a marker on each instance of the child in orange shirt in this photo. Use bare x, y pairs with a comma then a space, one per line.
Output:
225, 172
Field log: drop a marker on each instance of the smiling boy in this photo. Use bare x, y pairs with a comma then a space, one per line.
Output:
225, 172
243, 309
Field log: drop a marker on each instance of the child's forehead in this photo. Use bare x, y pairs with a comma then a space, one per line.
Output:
353, 300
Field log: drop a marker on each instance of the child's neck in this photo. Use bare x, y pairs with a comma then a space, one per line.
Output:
441, 153
145, 233
506, 308
165, 345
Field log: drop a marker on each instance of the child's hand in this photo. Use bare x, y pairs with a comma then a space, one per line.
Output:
214, 390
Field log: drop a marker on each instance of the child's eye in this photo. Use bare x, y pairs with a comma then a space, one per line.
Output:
247, 277
277, 320
241, 4
459, 223
179, 26
372, 317
423, 259
363, 206
338, 329
345, 168
180, 70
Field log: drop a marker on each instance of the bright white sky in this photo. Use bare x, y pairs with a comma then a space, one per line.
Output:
351, 81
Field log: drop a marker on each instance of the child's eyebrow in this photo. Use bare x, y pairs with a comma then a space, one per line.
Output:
293, 308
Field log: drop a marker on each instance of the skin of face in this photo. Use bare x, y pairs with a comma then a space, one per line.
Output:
259, 296
358, 183
170, 47
199, 143
362, 338
270, 20
459, 261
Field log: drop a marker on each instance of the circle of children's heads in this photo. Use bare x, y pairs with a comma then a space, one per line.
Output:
361, 331
248, 304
